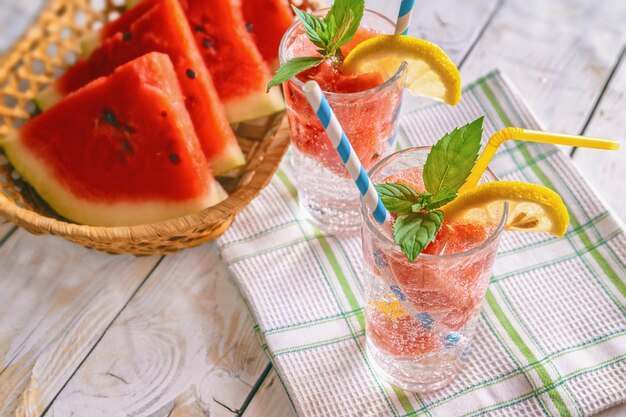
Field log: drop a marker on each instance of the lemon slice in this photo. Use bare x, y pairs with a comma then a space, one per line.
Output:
430, 73
532, 207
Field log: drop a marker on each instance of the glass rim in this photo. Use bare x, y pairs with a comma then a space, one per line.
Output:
369, 223
330, 94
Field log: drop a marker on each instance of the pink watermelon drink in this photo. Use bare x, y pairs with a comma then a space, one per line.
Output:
367, 107
421, 315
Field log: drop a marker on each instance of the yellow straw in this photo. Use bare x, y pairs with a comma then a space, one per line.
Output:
516, 133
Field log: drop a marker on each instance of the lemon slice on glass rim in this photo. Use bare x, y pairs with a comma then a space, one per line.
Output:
531, 207
430, 73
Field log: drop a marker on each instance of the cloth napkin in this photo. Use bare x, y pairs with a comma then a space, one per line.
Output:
552, 334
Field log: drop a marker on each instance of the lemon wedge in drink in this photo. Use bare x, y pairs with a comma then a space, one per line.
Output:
430, 73
532, 207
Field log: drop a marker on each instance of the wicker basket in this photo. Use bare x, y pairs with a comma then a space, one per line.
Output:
44, 51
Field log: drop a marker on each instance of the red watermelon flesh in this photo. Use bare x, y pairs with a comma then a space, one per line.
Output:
267, 21
93, 40
163, 28
239, 72
229, 52
123, 22
119, 159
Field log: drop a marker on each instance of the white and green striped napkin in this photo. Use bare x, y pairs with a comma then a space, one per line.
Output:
552, 335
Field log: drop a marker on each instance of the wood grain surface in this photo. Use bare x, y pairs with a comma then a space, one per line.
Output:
270, 399
56, 301
606, 171
183, 345
558, 53
89, 334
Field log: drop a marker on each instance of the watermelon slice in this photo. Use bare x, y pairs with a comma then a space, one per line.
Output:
118, 159
237, 67
162, 28
267, 21
238, 70
93, 40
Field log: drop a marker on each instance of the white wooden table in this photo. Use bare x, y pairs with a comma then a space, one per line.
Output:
89, 334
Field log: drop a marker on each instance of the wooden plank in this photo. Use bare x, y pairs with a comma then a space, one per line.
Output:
184, 344
270, 400
617, 411
558, 53
5, 229
15, 18
56, 301
606, 171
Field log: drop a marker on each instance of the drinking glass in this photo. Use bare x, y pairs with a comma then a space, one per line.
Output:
421, 315
369, 119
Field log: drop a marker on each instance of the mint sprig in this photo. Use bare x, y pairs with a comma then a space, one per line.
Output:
329, 34
447, 167
415, 231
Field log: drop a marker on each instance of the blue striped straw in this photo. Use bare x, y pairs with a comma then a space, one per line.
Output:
314, 95
404, 17
329, 121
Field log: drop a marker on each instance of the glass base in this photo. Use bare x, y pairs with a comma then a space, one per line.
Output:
423, 374
330, 201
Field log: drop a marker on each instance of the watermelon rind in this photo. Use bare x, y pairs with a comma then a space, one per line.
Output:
98, 213
254, 106
47, 98
89, 43
230, 159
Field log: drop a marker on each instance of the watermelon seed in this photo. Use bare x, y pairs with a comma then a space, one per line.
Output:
199, 28
109, 117
127, 145
127, 36
191, 74
174, 158
249, 27
206, 43
129, 129
163, 114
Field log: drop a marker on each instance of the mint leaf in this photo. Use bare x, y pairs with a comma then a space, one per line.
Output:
397, 198
291, 68
415, 231
316, 29
442, 198
347, 15
452, 158
341, 32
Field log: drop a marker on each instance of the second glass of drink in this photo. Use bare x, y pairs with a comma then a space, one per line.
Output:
367, 106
